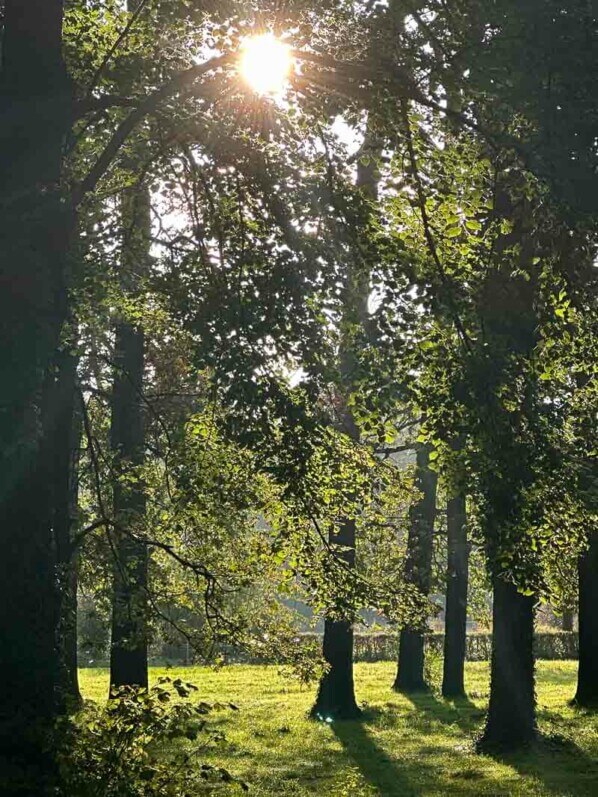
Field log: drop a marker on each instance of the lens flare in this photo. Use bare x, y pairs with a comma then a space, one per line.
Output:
265, 64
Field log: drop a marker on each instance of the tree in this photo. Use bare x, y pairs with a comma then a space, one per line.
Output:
128, 650
336, 693
129, 638
455, 624
483, 273
586, 695
511, 721
418, 571
66, 449
36, 221
567, 619
487, 310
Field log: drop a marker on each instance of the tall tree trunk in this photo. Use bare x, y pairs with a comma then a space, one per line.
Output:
511, 719
69, 692
128, 653
418, 571
128, 656
336, 693
587, 674
455, 621
35, 115
65, 500
567, 619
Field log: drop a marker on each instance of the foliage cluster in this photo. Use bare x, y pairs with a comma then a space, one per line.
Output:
132, 746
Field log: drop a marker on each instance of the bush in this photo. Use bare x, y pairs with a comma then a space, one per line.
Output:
384, 646
135, 746
547, 645
557, 645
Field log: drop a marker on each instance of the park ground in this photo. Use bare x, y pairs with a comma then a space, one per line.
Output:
417, 745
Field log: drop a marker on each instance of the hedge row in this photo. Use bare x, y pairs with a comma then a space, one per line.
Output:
547, 645
384, 646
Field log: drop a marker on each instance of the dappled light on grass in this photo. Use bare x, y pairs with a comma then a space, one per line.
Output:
402, 746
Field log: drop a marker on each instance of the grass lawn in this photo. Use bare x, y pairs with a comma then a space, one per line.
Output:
419, 745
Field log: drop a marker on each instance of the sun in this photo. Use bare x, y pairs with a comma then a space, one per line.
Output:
265, 63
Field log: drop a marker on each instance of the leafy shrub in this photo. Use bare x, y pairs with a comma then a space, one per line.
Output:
138, 745
384, 646
550, 645
557, 645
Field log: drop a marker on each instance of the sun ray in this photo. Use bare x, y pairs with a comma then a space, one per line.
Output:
265, 64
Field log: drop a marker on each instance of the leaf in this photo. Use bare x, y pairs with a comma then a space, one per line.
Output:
473, 225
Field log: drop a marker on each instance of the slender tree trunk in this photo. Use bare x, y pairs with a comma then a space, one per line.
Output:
587, 674
418, 571
336, 694
455, 624
511, 719
69, 692
35, 225
65, 500
128, 657
567, 619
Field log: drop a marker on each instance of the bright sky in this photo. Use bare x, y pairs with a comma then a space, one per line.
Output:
266, 64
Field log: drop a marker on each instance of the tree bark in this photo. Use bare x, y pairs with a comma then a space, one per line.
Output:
65, 500
128, 653
418, 571
336, 693
567, 619
35, 226
128, 656
586, 695
511, 719
455, 623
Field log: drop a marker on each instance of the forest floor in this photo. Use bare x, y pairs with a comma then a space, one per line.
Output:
417, 745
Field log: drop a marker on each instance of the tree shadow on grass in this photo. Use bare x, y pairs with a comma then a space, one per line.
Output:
458, 711
559, 764
552, 673
377, 768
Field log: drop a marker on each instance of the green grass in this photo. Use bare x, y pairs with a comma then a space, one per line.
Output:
421, 745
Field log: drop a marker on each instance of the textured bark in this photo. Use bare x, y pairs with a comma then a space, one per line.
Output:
455, 625
35, 226
587, 675
128, 653
567, 619
128, 656
508, 313
336, 694
511, 719
418, 571
69, 694
28, 601
64, 502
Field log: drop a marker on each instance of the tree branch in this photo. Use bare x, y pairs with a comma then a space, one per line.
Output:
120, 39
103, 103
146, 107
